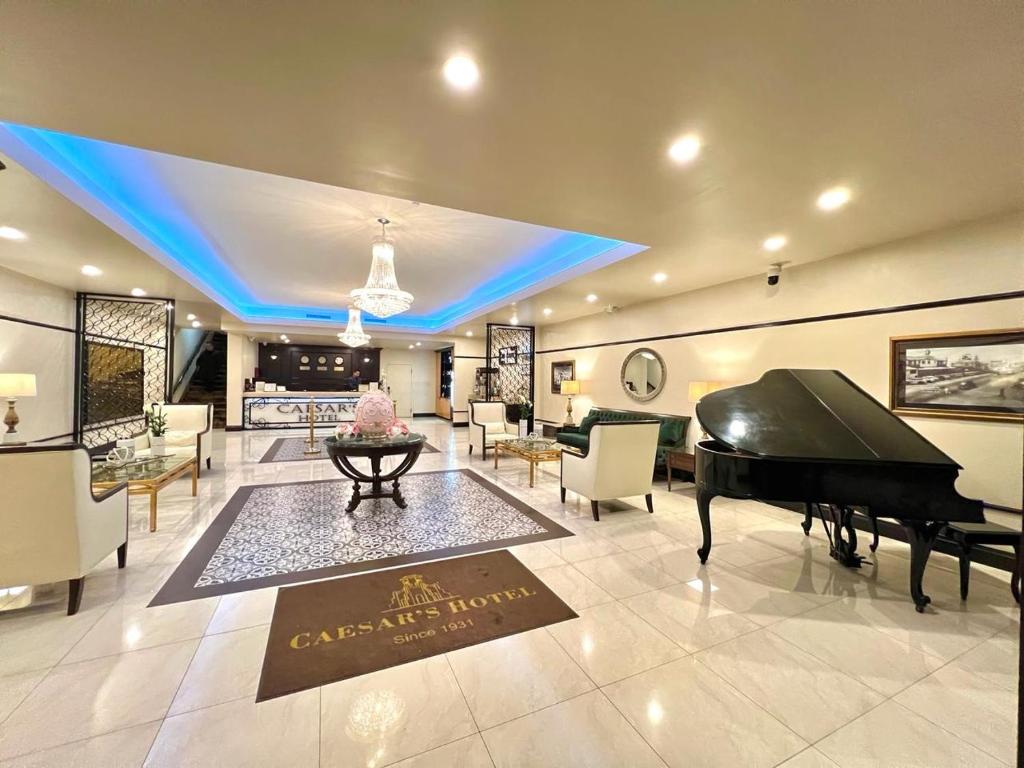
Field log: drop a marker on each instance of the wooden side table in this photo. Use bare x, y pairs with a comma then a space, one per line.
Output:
678, 460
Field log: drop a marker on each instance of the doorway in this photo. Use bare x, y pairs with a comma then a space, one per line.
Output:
400, 384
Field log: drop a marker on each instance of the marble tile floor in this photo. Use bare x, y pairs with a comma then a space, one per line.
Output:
769, 655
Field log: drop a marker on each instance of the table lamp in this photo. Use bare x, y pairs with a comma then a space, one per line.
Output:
13, 386
569, 387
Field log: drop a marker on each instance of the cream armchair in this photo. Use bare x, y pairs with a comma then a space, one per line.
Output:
487, 424
53, 527
189, 430
618, 462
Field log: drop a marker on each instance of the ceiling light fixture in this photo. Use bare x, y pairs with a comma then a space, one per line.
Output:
138, 293
659, 277
412, 346
834, 198
547, 311
90, 271
514, 320
461, 72
354, 336
10, 233
419, 343
190, 316
685, 149
381, 296
196, 324
469, 333
284, 337
591, 297
775, 243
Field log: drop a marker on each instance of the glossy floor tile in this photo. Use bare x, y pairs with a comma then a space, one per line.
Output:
771, 654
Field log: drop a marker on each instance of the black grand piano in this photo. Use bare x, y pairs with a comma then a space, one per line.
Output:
815, 437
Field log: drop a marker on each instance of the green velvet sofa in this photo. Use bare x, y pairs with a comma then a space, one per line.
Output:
671, 436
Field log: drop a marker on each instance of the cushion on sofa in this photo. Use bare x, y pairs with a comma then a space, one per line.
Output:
179, 437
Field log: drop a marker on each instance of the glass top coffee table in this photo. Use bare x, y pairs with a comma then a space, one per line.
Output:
145, 477
531, 450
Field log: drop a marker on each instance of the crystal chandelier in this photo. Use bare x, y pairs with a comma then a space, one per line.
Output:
354, 335
381, 296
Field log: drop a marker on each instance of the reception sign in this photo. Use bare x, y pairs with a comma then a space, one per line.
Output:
270, 412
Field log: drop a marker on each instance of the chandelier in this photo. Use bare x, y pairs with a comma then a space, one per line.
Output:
381, 296
353, 335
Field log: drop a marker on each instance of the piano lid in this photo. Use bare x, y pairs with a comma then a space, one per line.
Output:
812, 415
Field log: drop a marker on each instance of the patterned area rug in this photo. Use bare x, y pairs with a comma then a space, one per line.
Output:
285, 533
293, 449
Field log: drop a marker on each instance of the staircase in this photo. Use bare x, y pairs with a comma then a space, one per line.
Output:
213, 363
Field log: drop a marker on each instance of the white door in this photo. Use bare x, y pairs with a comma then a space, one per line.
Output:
400, 381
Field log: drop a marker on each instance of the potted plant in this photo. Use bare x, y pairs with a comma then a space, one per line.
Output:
523, 410
156, 421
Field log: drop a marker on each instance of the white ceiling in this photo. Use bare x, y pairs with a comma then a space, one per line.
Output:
916, 110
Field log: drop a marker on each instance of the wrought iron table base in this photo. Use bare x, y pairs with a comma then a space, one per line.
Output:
376, 479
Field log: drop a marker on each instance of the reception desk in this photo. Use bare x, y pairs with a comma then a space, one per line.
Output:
287, 410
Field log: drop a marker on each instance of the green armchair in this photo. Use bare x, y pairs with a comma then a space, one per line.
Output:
671, 434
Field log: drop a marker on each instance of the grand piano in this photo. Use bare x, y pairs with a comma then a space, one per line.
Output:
815, 437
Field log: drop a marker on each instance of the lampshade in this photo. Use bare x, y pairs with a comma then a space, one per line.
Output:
17, 385
570, 387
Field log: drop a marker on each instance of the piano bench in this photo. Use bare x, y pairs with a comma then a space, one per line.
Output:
966, 535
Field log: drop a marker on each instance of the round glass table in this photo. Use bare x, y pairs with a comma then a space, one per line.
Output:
342, 450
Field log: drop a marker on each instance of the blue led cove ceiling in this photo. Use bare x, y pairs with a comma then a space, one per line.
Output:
112, 180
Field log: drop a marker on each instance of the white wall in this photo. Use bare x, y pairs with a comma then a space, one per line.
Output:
980, 258
48, 353
241, 365
468, 355
424, 386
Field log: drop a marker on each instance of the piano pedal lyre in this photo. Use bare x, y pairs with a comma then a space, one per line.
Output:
842, 550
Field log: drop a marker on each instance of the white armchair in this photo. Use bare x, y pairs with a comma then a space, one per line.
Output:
619, 462
53, 527
487, 424
189, 430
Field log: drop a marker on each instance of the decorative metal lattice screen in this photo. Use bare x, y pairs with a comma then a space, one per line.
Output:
122, 365
510, 352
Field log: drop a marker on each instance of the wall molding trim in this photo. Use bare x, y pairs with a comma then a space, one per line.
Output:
938, 304
36, 323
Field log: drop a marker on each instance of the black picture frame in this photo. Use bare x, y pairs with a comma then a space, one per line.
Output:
559, 369
508, 356
963, 375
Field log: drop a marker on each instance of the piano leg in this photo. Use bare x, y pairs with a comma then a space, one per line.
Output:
704, 510
921, 536
808, 519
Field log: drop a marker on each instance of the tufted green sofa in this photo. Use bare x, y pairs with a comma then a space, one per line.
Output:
671, 436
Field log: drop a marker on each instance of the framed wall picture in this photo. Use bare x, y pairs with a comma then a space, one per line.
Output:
969, 375
508, 356
563, 370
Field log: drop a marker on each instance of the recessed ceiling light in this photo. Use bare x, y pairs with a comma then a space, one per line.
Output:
10, 233
284, 337
196, 324
461, 72
91, 271
514, 320
833, 199
412, 346
591, 297
469, 333
138, 293
775, 243
419, 343
659, 277
685, 148
190, 316
547, 311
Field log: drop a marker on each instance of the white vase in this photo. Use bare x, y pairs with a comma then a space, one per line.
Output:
158, 445
524, 427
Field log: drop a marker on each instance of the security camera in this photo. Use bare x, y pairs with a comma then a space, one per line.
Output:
774, 274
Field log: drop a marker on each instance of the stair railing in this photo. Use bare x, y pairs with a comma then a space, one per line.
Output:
185, 377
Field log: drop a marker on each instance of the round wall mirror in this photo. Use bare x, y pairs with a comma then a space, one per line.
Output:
643, 374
